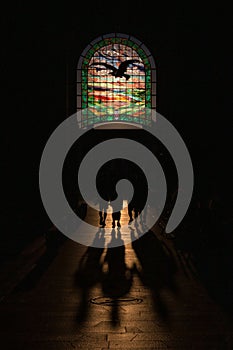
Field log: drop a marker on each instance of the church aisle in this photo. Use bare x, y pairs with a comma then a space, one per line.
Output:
138, 296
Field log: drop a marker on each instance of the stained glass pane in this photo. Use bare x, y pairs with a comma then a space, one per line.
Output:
130, 43
85, 61
96, 46
116, 77
135, 46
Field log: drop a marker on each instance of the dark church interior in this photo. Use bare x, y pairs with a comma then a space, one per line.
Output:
164, 290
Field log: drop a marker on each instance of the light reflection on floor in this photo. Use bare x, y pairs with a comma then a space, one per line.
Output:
128, 232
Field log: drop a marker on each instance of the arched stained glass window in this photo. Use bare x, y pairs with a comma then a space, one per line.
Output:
116, 80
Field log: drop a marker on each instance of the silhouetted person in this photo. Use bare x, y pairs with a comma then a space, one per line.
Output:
103, 212
103, 185
136, 205
116, 213
130, 211
116, 216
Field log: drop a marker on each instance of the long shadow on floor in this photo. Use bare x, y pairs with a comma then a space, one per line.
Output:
118, 278
115, 279
157, 269
89, 273
109, 269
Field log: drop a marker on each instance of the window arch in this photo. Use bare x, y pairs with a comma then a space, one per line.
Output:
116, 75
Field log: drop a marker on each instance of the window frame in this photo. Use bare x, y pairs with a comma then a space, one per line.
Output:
115, 38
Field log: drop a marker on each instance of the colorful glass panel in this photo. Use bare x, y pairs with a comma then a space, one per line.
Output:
116, 79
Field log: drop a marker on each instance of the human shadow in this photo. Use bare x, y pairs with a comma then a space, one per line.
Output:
110, 270
89, 273
107, 267
118, 277
157, 268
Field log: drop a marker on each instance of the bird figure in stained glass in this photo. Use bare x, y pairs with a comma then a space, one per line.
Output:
117, 72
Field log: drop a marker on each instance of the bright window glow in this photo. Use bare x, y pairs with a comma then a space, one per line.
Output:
116, 79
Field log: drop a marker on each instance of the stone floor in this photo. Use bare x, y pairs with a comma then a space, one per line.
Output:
142, 295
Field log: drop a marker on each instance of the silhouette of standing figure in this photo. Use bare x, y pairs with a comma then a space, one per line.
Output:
102, 213
103, 189
116, 217
116, 214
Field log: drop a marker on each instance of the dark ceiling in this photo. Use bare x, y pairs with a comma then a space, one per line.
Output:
40, 47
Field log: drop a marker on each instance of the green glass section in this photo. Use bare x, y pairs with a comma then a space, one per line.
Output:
86, 61
110, 118
102, 43
148, 91
91, 52
130, 43
125, 42
96, 47
107, 41
142, 53
135, 46
88, 55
